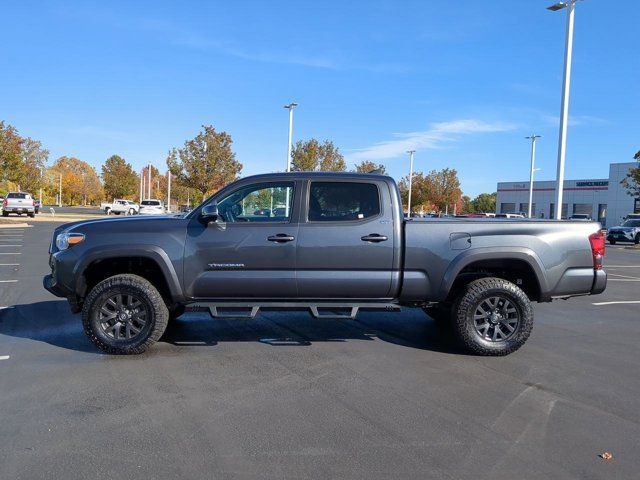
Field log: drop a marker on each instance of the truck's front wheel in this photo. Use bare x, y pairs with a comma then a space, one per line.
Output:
492, 316
124, 314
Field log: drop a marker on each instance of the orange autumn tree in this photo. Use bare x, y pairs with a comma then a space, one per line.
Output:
80, 182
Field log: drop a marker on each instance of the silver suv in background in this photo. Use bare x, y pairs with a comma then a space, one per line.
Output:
629, 231
19, 203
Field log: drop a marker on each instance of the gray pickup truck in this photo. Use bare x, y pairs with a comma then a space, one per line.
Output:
332, 243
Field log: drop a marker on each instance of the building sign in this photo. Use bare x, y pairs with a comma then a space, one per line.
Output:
602, 183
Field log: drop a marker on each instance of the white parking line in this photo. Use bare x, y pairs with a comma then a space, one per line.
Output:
623, 276
8, 281
9, 253
623, 280
17, 245
620, 302
622, 266
9, 264
5, 357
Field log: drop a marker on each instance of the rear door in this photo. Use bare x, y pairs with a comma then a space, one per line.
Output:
346, 240
250, 251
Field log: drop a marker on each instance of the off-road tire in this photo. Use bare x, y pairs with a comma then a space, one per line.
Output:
5, 214
32, 215
470, 299
612, 242
127, 284
636, 239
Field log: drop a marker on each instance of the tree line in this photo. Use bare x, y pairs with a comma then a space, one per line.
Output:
203, 165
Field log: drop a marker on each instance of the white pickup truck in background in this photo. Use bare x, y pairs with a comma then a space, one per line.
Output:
18, 202
120, 205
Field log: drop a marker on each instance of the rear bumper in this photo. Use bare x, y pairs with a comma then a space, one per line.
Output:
18, 209
599, 282
580, 281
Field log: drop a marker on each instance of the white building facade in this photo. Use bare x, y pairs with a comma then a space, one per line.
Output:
603, 199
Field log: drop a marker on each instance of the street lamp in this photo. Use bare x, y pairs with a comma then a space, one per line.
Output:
533, 169
410, 152
290, 107
564, 105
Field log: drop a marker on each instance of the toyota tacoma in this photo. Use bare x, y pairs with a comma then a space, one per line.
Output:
331, 243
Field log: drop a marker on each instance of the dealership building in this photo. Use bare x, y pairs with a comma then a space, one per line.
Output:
603, 199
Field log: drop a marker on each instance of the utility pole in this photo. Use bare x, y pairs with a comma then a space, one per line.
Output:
410, 152
141, 184
533, 169
169, 191
564, 105
40, 196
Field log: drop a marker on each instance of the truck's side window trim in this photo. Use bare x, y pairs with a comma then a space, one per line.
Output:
348, 221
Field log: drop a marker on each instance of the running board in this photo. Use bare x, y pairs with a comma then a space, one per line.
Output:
248, 310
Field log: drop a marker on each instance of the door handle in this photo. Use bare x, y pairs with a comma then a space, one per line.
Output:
281, 238
374, 237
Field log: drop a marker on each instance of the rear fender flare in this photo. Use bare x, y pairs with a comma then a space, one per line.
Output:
515, 253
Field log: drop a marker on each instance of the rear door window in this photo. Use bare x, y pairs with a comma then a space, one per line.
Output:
343, 201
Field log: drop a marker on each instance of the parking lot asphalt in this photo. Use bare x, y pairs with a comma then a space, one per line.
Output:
285, 396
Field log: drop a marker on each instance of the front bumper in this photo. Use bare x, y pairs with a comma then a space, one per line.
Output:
619, 236
49, 283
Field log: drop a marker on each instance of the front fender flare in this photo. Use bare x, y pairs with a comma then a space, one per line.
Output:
152, 252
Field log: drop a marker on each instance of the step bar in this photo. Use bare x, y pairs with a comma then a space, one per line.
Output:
249, 309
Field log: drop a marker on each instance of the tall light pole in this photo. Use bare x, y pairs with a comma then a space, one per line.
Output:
410, 152
564, 105
169, 191
40, 196
149, 181
141, 184
533, 169
290, 107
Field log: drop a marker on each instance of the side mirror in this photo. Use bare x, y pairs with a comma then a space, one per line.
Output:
209, 213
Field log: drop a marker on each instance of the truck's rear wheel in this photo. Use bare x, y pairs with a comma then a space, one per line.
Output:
124, 314
492, 316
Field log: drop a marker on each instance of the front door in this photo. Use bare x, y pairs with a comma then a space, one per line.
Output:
249, 252
346, 242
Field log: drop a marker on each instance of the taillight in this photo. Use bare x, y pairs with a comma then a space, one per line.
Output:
5, 202
34, 203
597, 249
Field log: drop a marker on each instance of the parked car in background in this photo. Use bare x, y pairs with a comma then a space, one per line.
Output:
19, 203
36, 205
629, 231
152, 206
120, 205
581, 216
509, 215
481, 215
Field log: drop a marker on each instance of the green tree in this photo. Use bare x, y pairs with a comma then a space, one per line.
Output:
119, 179
484, 203
366, 166
632, 182
312, 156
205, 163
10, 153
438, 190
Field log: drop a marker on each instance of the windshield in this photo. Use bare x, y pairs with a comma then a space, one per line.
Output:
631, 223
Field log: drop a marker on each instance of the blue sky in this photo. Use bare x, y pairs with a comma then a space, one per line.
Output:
463, 82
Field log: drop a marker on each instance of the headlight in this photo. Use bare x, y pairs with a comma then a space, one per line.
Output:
65, 240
